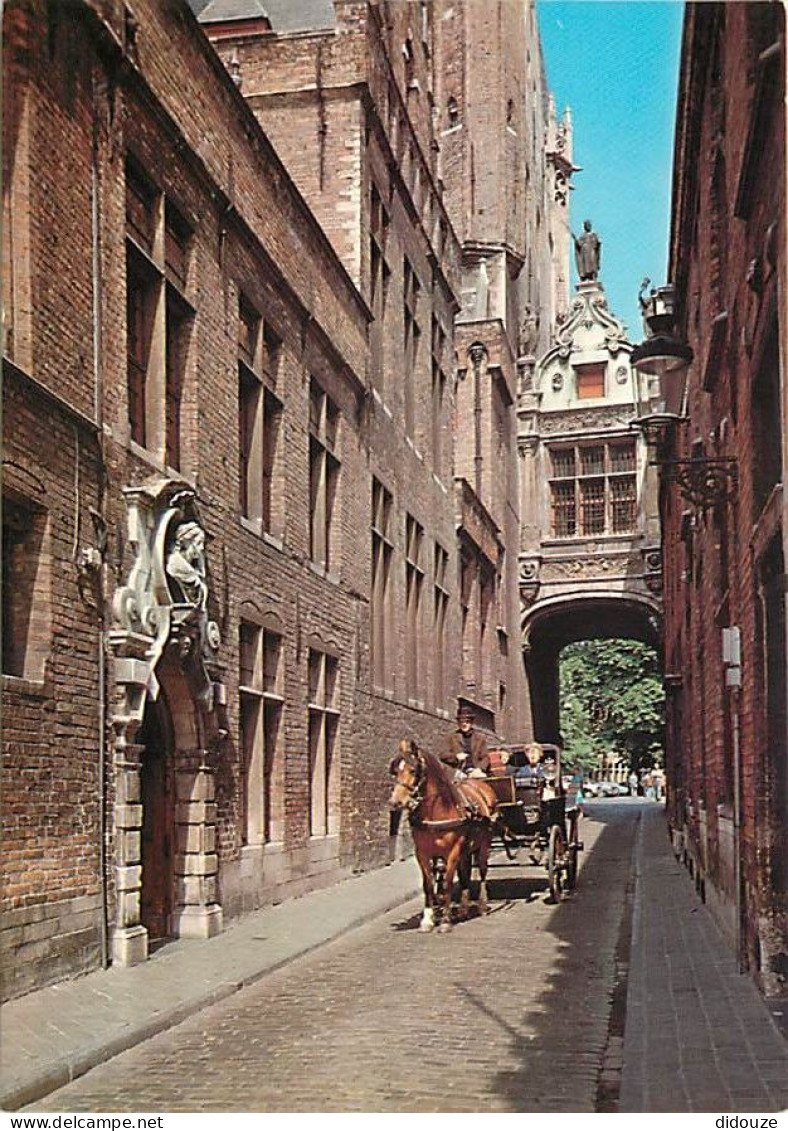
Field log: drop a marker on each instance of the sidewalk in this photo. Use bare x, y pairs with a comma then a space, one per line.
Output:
54, 1035
698, 1036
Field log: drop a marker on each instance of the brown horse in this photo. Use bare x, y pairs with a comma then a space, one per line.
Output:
445, 835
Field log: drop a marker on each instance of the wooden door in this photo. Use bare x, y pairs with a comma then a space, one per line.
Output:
157, 827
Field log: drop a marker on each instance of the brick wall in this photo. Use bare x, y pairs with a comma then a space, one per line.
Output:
727, 263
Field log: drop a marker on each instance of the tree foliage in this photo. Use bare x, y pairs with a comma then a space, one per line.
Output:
612, 700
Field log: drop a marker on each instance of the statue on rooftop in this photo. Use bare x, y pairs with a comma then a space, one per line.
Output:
588, 253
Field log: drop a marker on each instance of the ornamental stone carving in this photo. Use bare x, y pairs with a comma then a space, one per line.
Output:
164, 601
573, 420
592, 566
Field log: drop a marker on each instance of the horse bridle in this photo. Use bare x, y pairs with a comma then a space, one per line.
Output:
416, 791
416, 796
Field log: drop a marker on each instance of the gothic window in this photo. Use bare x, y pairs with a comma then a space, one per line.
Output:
259, 420
380, 612
26, 589
412, 337
767, 437
414, 582
261, 703
159, 317
380, 273
439, 383
323, 474
440, 617
323, 744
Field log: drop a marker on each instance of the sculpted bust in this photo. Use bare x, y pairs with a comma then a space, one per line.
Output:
186, 563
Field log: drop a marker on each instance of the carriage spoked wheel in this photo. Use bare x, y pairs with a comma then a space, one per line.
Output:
571, 855
556, 862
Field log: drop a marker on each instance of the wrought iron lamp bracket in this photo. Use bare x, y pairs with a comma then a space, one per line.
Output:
703, 482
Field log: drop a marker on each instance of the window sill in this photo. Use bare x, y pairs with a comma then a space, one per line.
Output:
322, 573
32, 688
440, 483
583, 539
414, 449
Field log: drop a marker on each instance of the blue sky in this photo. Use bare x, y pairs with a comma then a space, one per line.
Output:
616, 65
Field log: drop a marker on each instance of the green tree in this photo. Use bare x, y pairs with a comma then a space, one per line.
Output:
611, 700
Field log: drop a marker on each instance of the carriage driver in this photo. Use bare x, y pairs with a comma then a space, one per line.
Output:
465, 749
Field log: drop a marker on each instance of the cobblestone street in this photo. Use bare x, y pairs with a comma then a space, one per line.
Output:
515, 1004
579, 1007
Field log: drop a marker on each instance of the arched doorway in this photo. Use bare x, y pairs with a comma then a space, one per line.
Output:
158, 826
550, 625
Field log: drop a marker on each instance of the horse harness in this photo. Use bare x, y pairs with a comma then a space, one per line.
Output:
416, 797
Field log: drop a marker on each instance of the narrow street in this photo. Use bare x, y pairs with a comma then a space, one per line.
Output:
526, 1008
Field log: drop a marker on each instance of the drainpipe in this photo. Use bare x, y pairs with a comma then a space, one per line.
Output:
476, 353
731, 657
737, 853
98, 412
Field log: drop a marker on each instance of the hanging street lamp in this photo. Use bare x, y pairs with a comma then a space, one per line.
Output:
660, 364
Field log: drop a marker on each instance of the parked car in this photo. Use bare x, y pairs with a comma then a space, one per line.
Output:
611, 789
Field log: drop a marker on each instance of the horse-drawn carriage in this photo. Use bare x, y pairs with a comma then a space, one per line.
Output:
536, 814
523, 803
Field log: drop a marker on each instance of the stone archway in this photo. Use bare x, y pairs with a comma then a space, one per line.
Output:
550, 625
164, 652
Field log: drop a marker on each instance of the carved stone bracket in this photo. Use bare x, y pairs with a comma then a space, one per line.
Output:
529, 582
164, 602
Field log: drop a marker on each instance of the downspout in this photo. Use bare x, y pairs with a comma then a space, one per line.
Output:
737, 832
98, 412
476, 352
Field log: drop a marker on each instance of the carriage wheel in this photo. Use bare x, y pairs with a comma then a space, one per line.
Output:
571, 856
556, 862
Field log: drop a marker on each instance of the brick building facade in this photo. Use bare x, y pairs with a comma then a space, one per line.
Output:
724, 564
231, 566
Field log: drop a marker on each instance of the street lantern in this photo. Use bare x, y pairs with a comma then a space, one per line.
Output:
659, 367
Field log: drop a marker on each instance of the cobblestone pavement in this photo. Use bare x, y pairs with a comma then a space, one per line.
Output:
623, 998
506, 1013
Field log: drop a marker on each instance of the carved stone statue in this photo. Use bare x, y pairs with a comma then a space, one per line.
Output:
528, 335
588, 253
186, 563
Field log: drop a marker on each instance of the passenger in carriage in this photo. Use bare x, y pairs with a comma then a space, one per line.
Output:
533, 772
465, 750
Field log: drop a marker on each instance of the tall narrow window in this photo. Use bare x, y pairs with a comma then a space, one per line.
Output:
439, 620
412, 335
379, 279
159, 317
414, 580
323, 744
26, 589
261, 703
259, 418
438, 346
323, 473
380, 611
178, 325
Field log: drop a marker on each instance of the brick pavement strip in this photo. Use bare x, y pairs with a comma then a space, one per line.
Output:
516, 1005
699, 1037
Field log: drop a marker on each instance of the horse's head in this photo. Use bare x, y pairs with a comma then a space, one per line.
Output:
408, 769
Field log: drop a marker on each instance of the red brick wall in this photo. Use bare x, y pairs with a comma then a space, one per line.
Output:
728, 269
